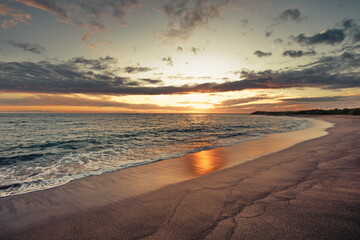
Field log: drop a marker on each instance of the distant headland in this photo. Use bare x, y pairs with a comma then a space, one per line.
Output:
336, 111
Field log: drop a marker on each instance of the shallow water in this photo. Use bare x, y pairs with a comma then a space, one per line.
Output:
43, 150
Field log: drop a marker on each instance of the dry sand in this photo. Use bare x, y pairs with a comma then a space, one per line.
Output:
308, 191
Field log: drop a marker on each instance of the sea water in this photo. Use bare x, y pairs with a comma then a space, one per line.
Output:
45, 150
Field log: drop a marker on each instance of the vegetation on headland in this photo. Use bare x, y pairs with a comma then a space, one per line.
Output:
336, 111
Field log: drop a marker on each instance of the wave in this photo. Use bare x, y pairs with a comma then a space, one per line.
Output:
119, 144
4, 161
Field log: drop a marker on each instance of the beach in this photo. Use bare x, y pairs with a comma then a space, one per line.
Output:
308, 189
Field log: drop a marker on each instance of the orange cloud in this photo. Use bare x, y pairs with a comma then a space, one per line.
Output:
12, 17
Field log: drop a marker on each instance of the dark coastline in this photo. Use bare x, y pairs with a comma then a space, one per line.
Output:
313, 112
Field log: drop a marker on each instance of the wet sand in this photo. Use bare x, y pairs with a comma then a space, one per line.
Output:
308, 191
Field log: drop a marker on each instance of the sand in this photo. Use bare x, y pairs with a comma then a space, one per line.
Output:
308, 191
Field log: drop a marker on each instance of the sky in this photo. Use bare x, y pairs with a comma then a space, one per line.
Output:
174, 56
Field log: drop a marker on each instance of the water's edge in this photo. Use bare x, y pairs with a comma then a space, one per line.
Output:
321, 125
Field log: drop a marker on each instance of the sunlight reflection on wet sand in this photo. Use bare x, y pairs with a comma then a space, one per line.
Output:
204, 162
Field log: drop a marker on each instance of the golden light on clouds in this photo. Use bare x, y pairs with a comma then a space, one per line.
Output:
244, 101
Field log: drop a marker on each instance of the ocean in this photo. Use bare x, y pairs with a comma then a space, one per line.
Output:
44, 150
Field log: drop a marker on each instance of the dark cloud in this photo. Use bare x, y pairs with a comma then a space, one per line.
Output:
349, 48
78, 74
278, 41
136, 69
185, 16
102, 63
348, 23
29, 47
331, 36
315, 99
260, 54
292, 14
298, 53
268, 33
334, 72
352, 29
167, 60
327, 72
10, 17
151, 81
195, 50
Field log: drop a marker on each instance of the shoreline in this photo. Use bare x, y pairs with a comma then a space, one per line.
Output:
19, 220
115, 169
313, 125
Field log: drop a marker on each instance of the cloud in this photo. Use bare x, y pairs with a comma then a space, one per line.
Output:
102, 63
333, 72
268, 33
167, 60
352, 29
195, 50
244, 23
298, 53
185, 16
279, 103
90, 15
288, 15
292, 14
86, 37
356, 37
328, 72
348, 23
315, 99
29, 47
101, 101
260, 54
11, 17
349, 101
151, 81
136, 69
331, 36
278, 41
76, 75
234, 102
